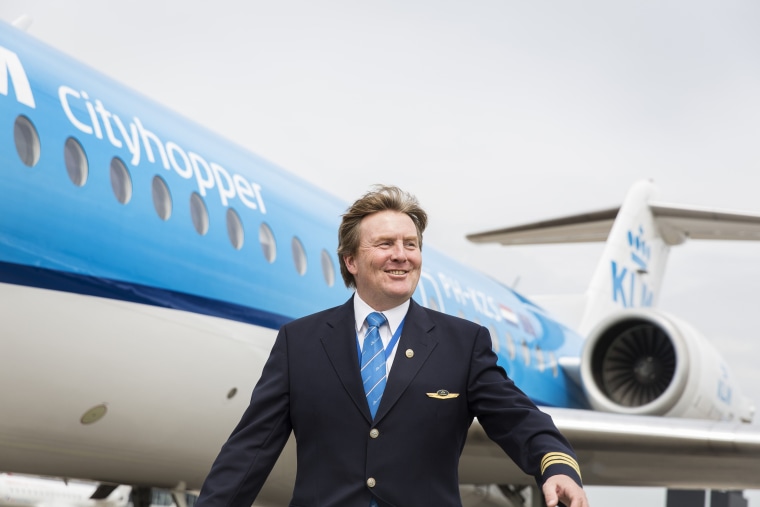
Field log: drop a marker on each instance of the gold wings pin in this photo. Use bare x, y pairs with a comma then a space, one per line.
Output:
442, 394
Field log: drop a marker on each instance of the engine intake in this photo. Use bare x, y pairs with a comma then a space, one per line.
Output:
633, 363
646, 362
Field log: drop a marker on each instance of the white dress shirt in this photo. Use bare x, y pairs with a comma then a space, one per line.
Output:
394, 316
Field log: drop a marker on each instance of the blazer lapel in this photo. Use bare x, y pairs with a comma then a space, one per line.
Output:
417, 337
339, 342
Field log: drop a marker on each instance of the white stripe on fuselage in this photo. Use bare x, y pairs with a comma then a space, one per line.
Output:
164, 370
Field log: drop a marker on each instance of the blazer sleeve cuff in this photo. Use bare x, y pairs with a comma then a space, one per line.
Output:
559, 463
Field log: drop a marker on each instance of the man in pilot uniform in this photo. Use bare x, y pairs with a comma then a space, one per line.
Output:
380, 392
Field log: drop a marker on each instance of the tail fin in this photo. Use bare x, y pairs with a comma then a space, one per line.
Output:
631, 269
638, 238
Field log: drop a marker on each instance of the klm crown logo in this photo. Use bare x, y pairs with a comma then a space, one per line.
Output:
641, 253
629, 287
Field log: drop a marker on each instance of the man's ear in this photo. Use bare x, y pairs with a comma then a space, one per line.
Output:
350, 263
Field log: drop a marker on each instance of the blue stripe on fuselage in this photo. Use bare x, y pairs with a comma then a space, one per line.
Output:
41, 278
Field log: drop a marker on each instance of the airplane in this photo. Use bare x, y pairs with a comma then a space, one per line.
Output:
146, 265
31, 491
35, 491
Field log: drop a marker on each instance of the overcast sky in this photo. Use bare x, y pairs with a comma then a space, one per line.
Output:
493, 113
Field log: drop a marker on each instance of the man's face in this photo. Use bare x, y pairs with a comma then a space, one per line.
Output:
386, 266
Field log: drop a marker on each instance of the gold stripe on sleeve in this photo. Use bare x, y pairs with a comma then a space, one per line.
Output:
559, 458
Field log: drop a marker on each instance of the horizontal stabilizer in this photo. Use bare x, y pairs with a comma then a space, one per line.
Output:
582, 228
678, 223
675, 222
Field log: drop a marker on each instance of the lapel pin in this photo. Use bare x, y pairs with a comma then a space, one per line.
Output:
442, 394
409, 353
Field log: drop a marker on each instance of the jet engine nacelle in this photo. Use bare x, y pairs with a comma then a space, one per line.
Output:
646, 362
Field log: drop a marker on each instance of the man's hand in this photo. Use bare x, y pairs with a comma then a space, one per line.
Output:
561, 488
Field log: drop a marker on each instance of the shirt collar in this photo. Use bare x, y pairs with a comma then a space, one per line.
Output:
394, 315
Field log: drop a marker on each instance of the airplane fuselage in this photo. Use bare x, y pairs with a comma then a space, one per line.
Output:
145, 267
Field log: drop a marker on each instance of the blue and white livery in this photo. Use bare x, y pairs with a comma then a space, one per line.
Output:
146, 265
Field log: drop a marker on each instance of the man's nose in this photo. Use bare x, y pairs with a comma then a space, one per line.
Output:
398, 252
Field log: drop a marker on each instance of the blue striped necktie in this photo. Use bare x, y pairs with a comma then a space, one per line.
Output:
373, 362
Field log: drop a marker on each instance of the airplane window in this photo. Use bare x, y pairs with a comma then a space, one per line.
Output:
162, 199
268, 244
76, 162
494, 338
121, 182
235, 229
199, 213
299, 255
328, 268
526, 353
510, 346
27, 141
540, 358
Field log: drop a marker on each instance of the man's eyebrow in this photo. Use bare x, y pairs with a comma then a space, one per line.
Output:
392, 237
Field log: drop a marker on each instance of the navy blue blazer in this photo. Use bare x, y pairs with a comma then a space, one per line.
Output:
408, 456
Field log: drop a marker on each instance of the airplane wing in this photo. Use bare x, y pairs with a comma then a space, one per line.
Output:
625, 450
